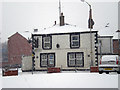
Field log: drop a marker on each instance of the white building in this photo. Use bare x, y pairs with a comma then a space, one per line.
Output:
65, 46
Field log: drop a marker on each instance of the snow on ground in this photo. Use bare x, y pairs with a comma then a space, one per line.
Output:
80, 79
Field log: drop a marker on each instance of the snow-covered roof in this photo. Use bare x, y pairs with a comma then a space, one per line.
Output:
106, 32
67, 28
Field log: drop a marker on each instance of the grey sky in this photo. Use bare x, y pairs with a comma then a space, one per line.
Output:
22, 16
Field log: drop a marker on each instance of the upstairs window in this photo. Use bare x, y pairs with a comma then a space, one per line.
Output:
74, 40
47, 42
34, 41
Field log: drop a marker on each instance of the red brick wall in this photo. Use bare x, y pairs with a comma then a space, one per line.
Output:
116, 49
17, 46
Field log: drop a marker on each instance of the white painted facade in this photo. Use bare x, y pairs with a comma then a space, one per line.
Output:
61, 36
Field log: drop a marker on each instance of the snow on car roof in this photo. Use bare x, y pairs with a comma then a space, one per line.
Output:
67, 28
109, 57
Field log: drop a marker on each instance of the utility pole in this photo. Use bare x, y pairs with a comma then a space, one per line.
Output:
90, 26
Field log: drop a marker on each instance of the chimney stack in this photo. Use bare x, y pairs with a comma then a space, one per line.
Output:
55, 23
62, 23
35, 30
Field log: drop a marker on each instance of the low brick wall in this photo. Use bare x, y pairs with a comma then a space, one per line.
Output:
53, 70
94, 69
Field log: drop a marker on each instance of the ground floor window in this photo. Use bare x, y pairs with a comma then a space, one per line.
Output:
47, 59
75, 59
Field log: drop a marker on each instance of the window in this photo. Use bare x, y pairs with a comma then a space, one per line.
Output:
47, 42
51, 60
74, 40
35, 42
47, 59
75, 59
44, 60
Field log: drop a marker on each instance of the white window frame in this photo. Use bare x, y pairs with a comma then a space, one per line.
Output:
47, 60
73, 41
43, 59
49, 42
76, 58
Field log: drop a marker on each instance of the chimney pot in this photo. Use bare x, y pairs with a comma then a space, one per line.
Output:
62, 23
35, 30
55, 23
61, 14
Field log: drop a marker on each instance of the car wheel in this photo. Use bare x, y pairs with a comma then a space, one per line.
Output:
100, 72
118, 72
107, 72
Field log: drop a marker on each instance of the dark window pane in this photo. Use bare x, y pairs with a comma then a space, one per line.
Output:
44, 57
47, 45
75, 43
79, 62
46, 39
51, 62
71, 56
79, 56
72, 63
44, 63
75, 37
51, 56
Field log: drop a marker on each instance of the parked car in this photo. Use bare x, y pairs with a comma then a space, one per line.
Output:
109, 63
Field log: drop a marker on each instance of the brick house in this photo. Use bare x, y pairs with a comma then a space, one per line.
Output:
116, 44
17, 47
116, 47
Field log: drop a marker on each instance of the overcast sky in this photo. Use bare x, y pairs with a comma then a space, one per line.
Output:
25, 16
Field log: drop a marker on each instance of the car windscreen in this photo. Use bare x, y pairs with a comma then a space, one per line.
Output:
109, 58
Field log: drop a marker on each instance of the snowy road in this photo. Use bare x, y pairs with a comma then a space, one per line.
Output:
61, 80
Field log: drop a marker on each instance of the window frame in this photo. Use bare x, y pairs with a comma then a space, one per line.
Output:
43, 43
68, 61
35, 41
47, 59
75, 34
